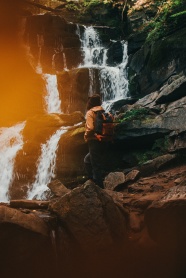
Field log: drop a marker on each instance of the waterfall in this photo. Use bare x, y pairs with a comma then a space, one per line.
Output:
11, 141
113, 80
52, 99
40, 43
46, 166
65, 62
92, 82
93, 52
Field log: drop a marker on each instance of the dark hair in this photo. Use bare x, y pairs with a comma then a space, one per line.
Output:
94, 100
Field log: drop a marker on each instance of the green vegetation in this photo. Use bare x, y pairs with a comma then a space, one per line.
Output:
178, 14
105, 12
134, 114
166, 19
159, 148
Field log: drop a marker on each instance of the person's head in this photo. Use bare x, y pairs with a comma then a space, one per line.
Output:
94, 100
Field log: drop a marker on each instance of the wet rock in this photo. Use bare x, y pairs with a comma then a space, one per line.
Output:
92, 218
57, 188
115, 54
113, 180
53, 38
132, 176
172, 92
151, 126
68, 58
157, 63
74, 85
148, 100
29, 204
158, 163
27, 221
136, 41
119, 105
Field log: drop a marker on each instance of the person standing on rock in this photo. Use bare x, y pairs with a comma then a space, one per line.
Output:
92, 160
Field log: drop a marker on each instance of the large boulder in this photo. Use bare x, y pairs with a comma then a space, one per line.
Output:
113, 179
29, 221
91, 217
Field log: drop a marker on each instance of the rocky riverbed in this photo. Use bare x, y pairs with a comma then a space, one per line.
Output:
136, 231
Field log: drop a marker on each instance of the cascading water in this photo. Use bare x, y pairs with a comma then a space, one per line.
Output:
11, 141
52, 99
113, 80
94, 53
46, 166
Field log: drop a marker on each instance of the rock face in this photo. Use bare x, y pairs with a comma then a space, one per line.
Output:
91, 217
151, 66
74, 89
57, 39
163, 113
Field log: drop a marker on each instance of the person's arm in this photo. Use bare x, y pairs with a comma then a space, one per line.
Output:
89, 132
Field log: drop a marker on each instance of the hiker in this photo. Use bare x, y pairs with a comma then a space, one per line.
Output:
95, 138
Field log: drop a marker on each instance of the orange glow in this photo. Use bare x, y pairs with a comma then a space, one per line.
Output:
20, 87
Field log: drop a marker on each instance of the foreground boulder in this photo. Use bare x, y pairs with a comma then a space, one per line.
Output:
112, 180
57, 188
91, 217
25, 243
27, 221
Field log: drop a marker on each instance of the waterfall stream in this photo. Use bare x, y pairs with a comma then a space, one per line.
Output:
113, 79
46, 166
52, 99
11, 141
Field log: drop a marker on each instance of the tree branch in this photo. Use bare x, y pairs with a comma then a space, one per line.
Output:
124, 7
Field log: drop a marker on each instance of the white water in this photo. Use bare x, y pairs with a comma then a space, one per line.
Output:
46, 166
11, 141
53, 102
52, 99
113, 80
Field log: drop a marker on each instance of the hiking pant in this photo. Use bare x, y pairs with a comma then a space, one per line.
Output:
92, 161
